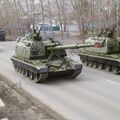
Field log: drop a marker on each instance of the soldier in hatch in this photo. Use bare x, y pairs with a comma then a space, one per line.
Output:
35, 35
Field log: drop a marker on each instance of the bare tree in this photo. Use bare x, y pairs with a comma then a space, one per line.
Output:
60, 19
42, 10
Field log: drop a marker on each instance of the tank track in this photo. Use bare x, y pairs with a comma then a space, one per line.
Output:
75, 73
29, 72
69, 73
35, 75
101, 63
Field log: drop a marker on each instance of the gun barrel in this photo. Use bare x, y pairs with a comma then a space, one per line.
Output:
71, 46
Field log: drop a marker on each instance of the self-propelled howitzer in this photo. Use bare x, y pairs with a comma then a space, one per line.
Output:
105, 55
38, 59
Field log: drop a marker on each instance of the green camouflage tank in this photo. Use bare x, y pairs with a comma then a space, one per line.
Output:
39, 58
105, 55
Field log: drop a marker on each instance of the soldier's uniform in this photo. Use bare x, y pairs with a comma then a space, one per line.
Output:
36, 36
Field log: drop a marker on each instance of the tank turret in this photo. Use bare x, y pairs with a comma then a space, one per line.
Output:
104, 45
39, 58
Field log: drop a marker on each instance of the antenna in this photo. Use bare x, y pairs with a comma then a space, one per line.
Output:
42, 26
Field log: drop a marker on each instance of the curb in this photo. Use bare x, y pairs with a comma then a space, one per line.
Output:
50, 111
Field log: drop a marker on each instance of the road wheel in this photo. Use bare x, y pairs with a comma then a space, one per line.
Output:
26, 73
108, 68
100, 66
15, 67
75, 73
86, 63
41, 77
116, 70
91, 64
18, 69
23, 71
35, 78
82, 59
31, 75
95, 65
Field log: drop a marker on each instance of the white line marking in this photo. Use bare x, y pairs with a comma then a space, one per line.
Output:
1, 103
116, 83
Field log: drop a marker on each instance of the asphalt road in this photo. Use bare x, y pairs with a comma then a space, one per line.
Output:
93, 95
